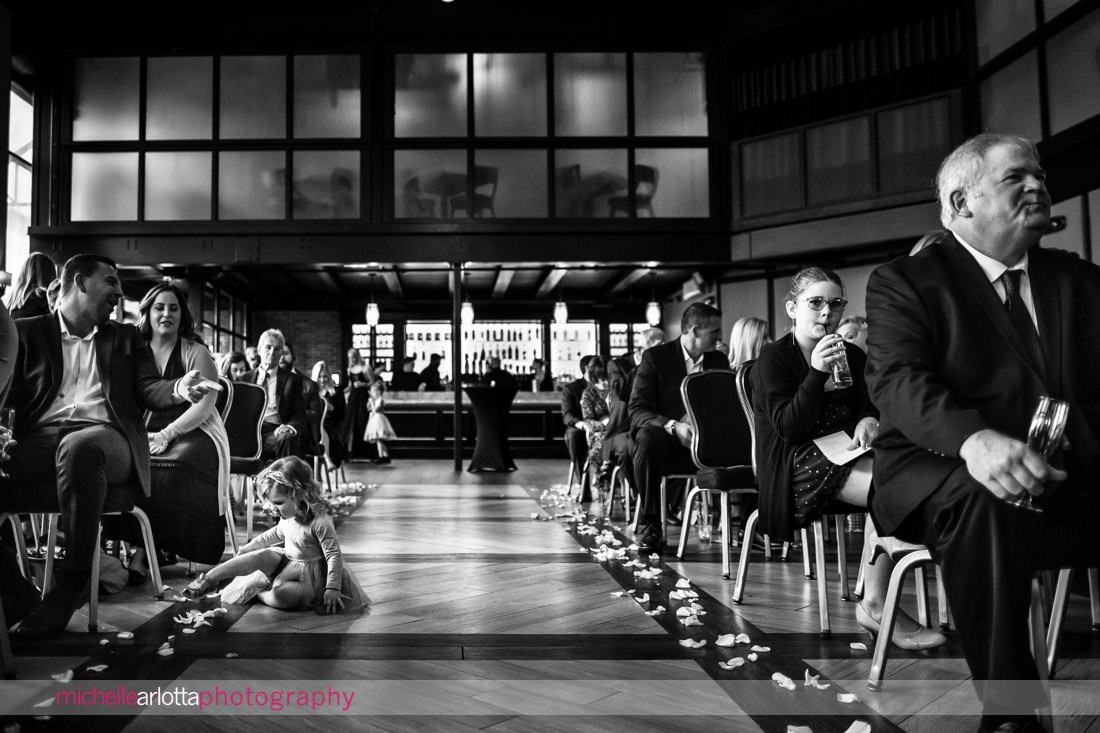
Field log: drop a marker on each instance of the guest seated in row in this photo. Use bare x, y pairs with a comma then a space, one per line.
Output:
596, 414
748, 337
540, 379
429, 376
284, 421
28, 298
575, 441
618, 447
407, 380
234, 366
661, 435
497, 377
334, 417
795, 401
78, 432
853, 329
188, 445
311, 398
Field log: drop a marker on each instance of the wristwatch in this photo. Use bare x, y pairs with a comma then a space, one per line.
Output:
670, 427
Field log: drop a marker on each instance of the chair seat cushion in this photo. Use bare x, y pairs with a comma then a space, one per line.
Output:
725, 479
247, 466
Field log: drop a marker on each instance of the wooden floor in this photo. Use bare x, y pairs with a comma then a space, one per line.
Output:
490, 612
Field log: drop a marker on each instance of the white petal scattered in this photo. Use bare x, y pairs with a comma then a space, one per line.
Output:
761, 649
535, 515
799, 729
232, 655
632, 547
164, 646
171, 637
655, 557
733, 663
45, 703
617, 593
692, 621
104, 642
96, 668
846, 697
782, 680
66, 676
126, 635
683, 583
656, 611
858, 646
743, 639
165, 588
631, 591
643, 598
693, 644
188, 631
166, 652
725, 640
682, 612
859, 726
812, 681
752, 656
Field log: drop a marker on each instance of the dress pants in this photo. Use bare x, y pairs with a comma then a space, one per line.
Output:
988, 552
576, 442
657, 453
77, 465
278, 446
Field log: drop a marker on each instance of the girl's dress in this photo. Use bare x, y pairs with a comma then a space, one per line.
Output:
378, 426
313, 559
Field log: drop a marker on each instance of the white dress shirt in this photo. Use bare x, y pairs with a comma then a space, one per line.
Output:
994, 269
80, 397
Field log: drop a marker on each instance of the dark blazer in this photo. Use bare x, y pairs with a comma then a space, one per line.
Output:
571, 402
655, 397
945, 363
292, 409
786, 404
126, 368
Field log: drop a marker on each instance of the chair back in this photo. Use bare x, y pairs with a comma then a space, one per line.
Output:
722, 438
646, 178
243, 421
744, 393
485, 179
316, 421
224, 400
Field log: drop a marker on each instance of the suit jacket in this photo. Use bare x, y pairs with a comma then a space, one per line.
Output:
292, 410
655, 397
945, 362
571, 394
127, 370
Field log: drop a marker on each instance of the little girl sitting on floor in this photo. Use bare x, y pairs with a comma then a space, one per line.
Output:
300, 555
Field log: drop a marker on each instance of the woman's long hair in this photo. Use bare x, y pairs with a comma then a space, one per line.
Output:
747, 338
187, 322
37, 274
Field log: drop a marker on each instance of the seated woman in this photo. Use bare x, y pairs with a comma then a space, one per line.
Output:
334, 418
596, 414
794, 402
234, 365
188, 444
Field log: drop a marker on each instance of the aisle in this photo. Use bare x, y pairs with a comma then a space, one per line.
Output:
485, 618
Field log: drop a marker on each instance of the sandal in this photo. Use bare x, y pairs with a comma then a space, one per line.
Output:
199, 587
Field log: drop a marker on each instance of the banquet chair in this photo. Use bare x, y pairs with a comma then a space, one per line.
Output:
645, 188
224, 399
619, 485
316, 426
242, 424
722, 445
7, 661
418, 205
485, 191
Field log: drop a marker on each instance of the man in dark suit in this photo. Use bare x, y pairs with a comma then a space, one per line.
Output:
964, 337
661, 437
576, 441
311, 400
81, 385
284, 421
618, 447
429, 376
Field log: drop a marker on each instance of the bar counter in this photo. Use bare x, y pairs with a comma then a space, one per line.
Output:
424, 423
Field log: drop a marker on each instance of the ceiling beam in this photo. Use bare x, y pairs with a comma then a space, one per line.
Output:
393, 282
627, 280
550, 281
504, 279
326, 276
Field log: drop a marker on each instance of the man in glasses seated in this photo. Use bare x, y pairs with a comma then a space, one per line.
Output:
966, 336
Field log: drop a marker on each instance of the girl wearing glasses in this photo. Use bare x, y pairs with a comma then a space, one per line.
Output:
794, 402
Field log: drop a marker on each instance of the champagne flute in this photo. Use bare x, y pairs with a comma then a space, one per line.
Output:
7, 428
1044, 436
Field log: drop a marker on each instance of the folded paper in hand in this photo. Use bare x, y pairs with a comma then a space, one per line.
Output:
835, 447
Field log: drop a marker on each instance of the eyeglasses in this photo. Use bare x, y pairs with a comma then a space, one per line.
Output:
816, 303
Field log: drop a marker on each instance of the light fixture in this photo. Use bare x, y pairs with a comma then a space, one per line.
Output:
372, 307
561, 313
467, 313
653, 308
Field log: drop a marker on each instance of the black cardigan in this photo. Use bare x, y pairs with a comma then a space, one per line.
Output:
786, 402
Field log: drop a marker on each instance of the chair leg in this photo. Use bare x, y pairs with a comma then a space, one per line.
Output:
248, 499
822, 580
842, 558
7, 660
664, 504
1057, 618
637, 514
807, 564
1039, 649
687, 520
743, 561
93, 599
768, 548
725, 519
864, 558
150, 550
941, 598
1094, 597
231, 528
612, 487
890, 614
51, 549
923, 614
20, 545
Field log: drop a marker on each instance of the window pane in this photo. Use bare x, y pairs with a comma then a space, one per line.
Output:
225, 343
19, 212
253, 97
912, 140
587, 179
1000, 23
105, 99
21, 128
1073, 96
429, 95
838, 160
104, 186
326, 184
670, 183
1053, 8
180, 102
224, 312
209, 298
252, 185
327, 96
177, 186
669, 94
590, 94
426, 182
509, 94
510, 183
1010, 99
771, 175
238, 316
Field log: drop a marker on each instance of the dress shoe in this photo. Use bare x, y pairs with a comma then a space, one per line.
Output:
649, 538
44, 621
921, 638
1017, 726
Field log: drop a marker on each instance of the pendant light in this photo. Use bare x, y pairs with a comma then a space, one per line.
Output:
561, 312
653, 308
467, 312
373, 313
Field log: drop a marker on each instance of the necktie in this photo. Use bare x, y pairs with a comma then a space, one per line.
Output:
1021, 319
262, 381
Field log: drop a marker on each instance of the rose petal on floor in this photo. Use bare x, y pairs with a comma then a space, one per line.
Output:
126, 635
683, 583
188, 631
232, 655
643, 598
761, 649
859, 726
799, 729
617, 593
66, 676
725, 640
782, 680
858, 646
752, 657
96, 668
166, 652
743, 639
104, 642
45, 703
846, 697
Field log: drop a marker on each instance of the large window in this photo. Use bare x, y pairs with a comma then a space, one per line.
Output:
20, 156
224, 321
